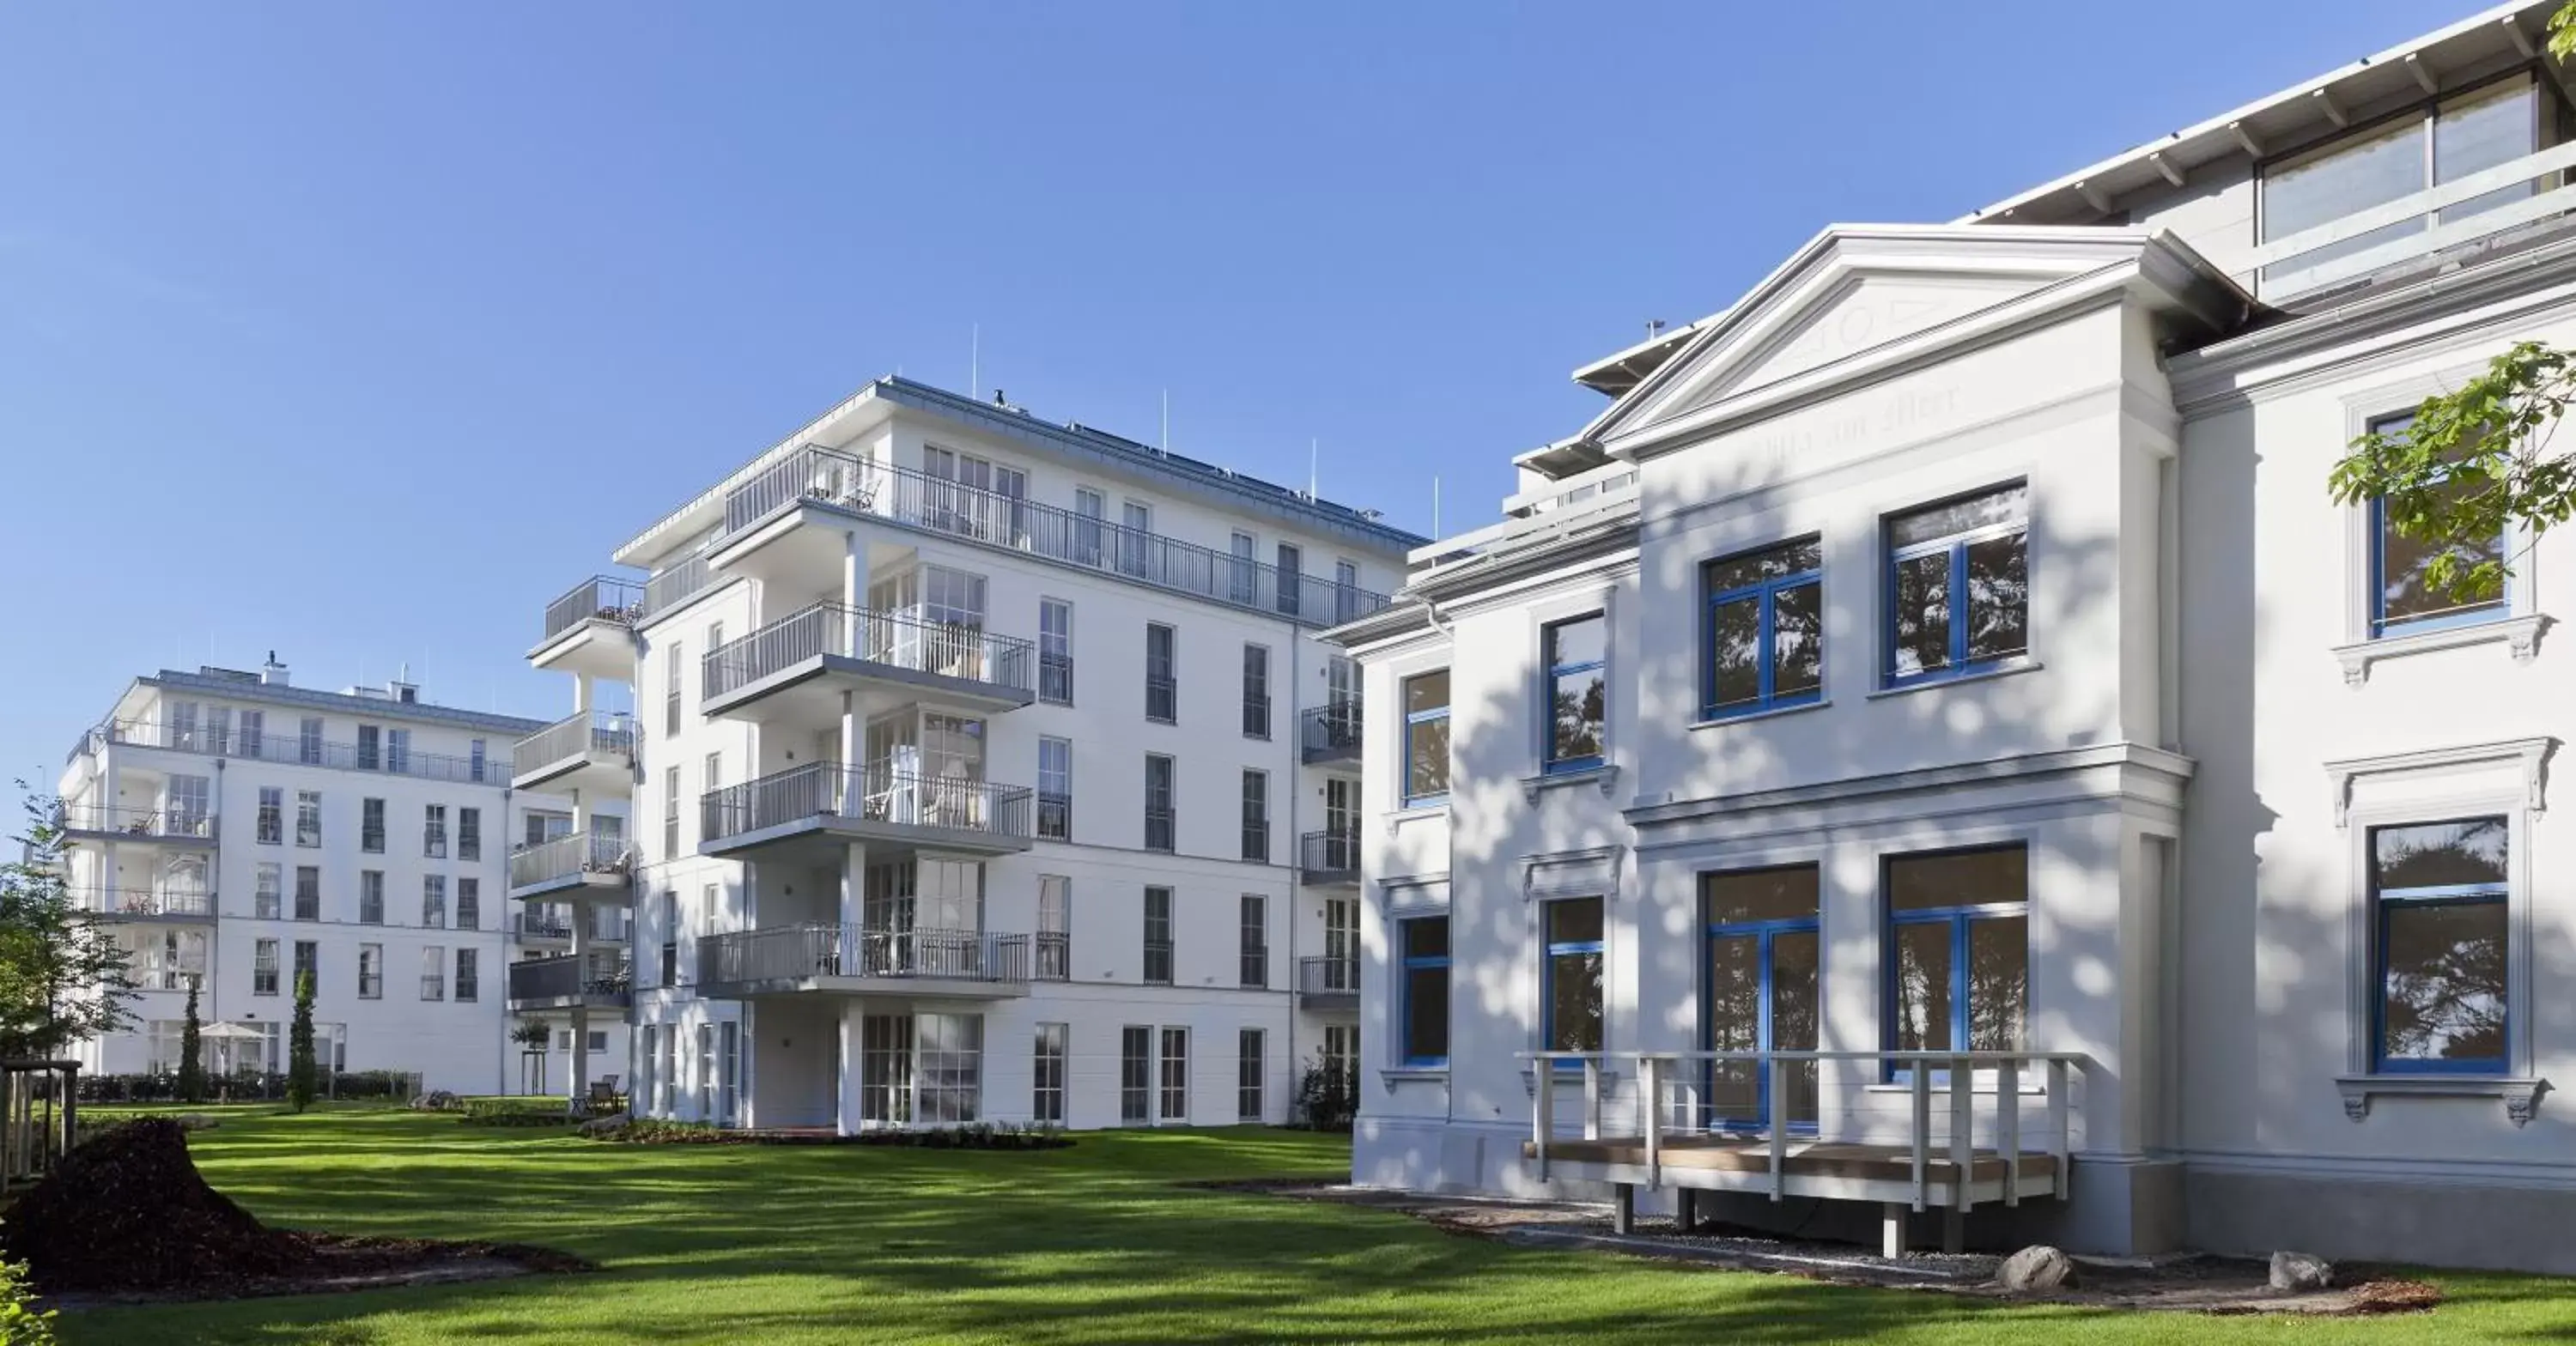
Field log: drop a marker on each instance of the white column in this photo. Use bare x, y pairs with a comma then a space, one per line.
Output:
578, 1086
852, 1017
853, 904
580, 693
581, 815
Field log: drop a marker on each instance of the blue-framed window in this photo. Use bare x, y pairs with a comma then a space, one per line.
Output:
1958, 937
1426, 738
1422, 943
1958, 586
1765, 643
1577, 657
1570, 976
1760, 991
2401, 601
2440, 894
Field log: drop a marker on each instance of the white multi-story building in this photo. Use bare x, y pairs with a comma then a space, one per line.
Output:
986, 768
241, 831
1946, 664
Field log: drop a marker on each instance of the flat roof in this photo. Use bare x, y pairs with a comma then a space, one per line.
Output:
240, 686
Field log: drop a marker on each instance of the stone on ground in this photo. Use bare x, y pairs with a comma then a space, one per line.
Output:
2036, 1268
2301, 1272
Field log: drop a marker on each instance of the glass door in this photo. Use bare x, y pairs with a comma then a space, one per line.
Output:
1341, 944
1762, 994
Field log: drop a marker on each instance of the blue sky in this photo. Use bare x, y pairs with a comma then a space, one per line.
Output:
360, 331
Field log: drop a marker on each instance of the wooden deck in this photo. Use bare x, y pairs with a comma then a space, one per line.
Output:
1806, 1159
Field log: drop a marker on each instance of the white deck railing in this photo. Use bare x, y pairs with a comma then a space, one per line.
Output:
2279, 280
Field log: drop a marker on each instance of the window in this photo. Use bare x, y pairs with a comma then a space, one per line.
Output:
370, 747
308, 892
433, 901
398, 750
185, 801
2402, 601
308, 740
308, 817
1134, 537
469, 904
1055, 789
433, 832
670, 813
1256, 816
1089, 509
1160, 825
371, 972
1055, 927
1576, 654
731, 1047
1958, 586
1055, 651
1570, 999
1346, 592
1158, 936
2440, 895
263, 967
949, 1062
671, 673
1761, 989
308, 964
254, 733
371, 826
670, 919
1254, 952
477, 758
1176, 1075
433, 972
469, 975
371, 897
1256, 691
1766, 630
706, 1032
469, 833
1426, 738
272, 815
1341, 1050
1135, 1074
1162, 684
2436, 144
1422, 1012
1960, 926
267, 890
1046, 1106
1243, 572
219, 728
183, 727
1292, 581
1247, 1075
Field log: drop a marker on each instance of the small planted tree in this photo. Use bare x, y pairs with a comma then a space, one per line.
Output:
300, 1069
1328, 1094
192, 1051
64, 979
533, 1037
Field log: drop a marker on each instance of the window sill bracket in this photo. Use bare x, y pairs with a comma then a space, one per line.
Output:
2521, 1095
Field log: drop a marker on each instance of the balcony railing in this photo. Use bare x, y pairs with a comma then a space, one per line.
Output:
1327, 975
1161, 830
108, 901
292, 747
602, 598
577, 733
135, 822
1055, 678
875, 792
1003, 520
1055, 817
1054, 950
532, 925
1330, 731
1329, 855
569, 855
894, 639
2516, 193
793, 952
676, 584
565, 977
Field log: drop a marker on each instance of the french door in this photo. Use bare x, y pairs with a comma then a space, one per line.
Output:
1761, 994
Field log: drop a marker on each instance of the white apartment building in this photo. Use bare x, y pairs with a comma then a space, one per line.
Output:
241, 830
986, 769
1945, 665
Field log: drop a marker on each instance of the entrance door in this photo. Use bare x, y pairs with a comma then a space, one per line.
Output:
1761, 993
1341, 944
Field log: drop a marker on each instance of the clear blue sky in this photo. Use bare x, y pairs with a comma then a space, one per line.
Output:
360, 331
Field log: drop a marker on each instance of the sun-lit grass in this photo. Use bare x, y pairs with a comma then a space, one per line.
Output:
1099, 1243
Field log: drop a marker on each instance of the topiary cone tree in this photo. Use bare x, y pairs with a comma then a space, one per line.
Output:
299, 1047
192, 1052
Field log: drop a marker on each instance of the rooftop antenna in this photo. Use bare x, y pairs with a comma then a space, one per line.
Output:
1165, 443
1654, 328
1435, 505
1313, 448
974, 358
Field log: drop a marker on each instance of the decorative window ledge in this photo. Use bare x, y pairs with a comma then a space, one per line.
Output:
2002, 670
2520, 1095
1392, 1076
2529, 756
1395, 818
1604, 777
1721, 721
2521, 633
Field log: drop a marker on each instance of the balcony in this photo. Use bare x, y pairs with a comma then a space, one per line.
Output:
1328, 983
292, 748
793, 671
588, 750
573, 867
834, 959
1329, 733
144, 904
537, 925
822, 806
564, 983
2444, 225
591, 629
792, 519
109, 822
1329, 858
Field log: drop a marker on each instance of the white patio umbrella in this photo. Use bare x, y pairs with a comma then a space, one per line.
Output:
228, 1034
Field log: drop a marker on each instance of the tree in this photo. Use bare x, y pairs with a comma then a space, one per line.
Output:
2477, 462
300, 1069
192, 1052
64, 979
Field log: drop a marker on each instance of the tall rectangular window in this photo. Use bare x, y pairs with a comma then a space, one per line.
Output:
371, 897
1055, 651
433, 832
1256, 816
1292, 579
1046, 1104
2403, 599
670, 813
371, 747
1959, 927
1576, 654
263, 967
371, 826
1248, 1075
433, 901
1346, 592
189, 811
308, 892
1253, 947
433, 972
1136, 539
1426, 738
1135, 1074
308, 817
1243, 570
1766, 630
1162, 674
672, 672
1055, 789
1761, 986
1161, 826
1176, 1075
2440, 894
1256, 691
183, 727
1422, 1008
272, 815
308, 964
1958, 586
1571, 996
469, 904
477, 759
1055, 927
398, 751
1090, 510
371, 972
308, 740
469, 976
268, 890
469, 834
1158, 936
670, 923
730, 1106
254, 733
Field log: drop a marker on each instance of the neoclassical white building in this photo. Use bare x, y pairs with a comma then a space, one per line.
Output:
986, 768
1945, 665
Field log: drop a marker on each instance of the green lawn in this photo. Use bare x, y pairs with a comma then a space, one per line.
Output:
1093, 1244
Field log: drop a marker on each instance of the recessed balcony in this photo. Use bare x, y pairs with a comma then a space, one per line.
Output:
539, 924
580, 866
822, 959
1329, 858
1329, 733
172, 827
816, 808
567, 982
1328, 984
144, 903
591, 629
588, 750
793, 671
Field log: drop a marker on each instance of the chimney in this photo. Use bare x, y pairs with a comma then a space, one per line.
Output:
402, 688
273, 673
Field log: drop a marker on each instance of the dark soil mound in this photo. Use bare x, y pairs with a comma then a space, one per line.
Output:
127, 1211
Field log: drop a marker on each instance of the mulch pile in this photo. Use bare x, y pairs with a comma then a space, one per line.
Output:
126, 1213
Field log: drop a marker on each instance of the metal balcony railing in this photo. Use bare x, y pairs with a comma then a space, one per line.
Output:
135, 822
291, 746
534, 925
112, 901
1162, 698
1256, 717
817, 950
1161, 829
565, 856
611, 732
1330, 731
875, 792
1055, 678
1055, 817
1054, 950
1328, 975
1000, 519
564, 977
895, 639
602, 597
676, 584
1329, 855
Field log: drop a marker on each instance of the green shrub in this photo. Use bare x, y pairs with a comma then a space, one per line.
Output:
511, 1112
21, 1322
966, 1136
